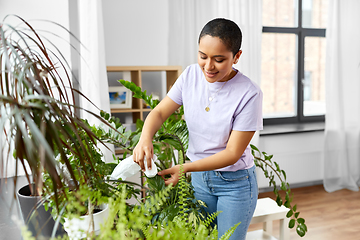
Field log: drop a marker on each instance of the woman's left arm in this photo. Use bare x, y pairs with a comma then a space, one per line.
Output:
238, 141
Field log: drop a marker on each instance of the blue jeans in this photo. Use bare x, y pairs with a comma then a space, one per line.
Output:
233, 193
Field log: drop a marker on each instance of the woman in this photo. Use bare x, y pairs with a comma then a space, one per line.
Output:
223, 109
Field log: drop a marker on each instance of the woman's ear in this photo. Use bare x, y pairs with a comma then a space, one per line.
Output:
237, 56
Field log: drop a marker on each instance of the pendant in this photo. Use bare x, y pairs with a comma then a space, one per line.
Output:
207, 109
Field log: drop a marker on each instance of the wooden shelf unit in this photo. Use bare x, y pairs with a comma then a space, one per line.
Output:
137, 110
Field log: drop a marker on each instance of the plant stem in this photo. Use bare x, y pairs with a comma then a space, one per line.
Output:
260, 159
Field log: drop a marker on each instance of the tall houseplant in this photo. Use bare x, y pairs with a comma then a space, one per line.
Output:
39, 118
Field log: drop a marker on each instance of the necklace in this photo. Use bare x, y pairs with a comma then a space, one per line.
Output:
207, 108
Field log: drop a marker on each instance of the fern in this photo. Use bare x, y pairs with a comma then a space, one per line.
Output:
182, 193
211, 218
229, 232
145, 231
155, 202
135, 223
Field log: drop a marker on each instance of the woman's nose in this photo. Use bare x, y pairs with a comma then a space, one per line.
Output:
209, 65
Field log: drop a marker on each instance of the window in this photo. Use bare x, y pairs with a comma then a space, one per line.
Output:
293, 60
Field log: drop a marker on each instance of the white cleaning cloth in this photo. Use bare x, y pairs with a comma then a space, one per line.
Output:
127, 168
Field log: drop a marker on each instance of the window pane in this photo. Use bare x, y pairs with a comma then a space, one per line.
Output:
280, 13
314, 13
278, 74
314, 77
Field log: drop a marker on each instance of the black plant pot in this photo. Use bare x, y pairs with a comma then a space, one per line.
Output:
38, 221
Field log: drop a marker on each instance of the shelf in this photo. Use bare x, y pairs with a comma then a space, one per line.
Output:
143, 68
134, 74
122, 110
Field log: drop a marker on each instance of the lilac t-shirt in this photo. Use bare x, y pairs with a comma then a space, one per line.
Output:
237, 106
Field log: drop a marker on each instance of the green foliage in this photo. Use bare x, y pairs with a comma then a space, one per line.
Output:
271, 170
95, 190
140, 94
211, 218
180, 202
182, 192
173, 133
26, 234
229, 232
135, 223
39, 117
118, 135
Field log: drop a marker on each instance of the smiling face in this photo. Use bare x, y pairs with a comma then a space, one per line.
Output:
216, 60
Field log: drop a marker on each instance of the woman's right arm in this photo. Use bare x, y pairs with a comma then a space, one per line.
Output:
152, 124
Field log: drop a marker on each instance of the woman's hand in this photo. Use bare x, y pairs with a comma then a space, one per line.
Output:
144, 148
175, 175
153, 122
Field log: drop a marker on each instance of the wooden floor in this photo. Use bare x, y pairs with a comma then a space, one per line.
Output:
328, 216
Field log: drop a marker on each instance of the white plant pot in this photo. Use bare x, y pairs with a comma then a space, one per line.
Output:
77, 228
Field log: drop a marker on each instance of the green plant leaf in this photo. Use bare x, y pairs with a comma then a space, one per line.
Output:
294, 208
173, 142
301, 229
287, 197
284, 174
139, 124
291, 223
289, 214
102, 113
277, 167
229, 232
253, 147
156, 183
301, 220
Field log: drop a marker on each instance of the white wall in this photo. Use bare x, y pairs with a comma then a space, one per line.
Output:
135, 32
300, 155
52, 10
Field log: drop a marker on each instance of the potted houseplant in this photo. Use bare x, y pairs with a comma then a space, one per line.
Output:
38, 114
83, 210
136, 223
38, 221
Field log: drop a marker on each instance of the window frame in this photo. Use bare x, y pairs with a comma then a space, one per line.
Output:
301, 33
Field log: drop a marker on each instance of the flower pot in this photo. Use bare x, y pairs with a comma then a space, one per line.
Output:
38, 221
77, 228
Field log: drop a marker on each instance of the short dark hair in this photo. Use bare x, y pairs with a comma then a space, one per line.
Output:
228, 32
